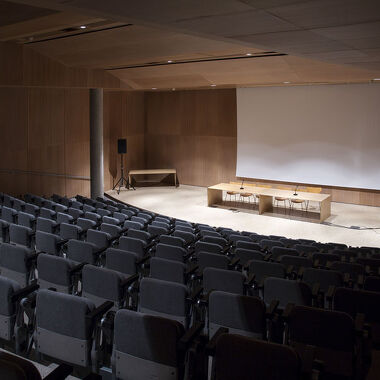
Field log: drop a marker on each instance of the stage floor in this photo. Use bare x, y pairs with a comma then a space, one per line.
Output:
190, 203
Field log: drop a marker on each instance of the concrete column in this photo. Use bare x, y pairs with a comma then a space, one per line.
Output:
96, 142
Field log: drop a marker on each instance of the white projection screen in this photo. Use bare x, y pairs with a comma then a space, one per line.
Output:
327, 134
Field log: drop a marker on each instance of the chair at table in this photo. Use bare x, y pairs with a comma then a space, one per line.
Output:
296, 201
277, 200
315, 190
244, 196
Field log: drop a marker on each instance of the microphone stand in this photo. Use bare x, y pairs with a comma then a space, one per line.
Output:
241, 186
295, 191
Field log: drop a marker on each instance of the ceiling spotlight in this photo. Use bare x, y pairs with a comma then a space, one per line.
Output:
173, 89
213, 85
249, 54
154, 88
286, 82
376, 79
170, 61
83, 26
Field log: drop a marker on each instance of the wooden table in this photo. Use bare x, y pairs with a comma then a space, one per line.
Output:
215, 196
153, 171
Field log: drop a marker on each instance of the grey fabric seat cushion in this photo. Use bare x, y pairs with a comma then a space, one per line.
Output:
277, 252
47, 242
264, 269
132, 245
102, 282
54, 269
237, 311
172, 240
163, 296
14, 257
224, 280
7, 288
214, 260
201, 246
167, 270
245, 255
121, 261
170, 252
64, 314
81, 251
324, 277
148, 337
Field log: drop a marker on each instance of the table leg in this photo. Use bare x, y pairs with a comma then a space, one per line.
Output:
214, 196
265, 204
325, 209
175, 179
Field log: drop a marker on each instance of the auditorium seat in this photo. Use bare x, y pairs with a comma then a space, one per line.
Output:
277, 252
188, 237
100, 239
48, 243
9, 214
70, 231
47, 213
46, 225
201, 246
137, 246
32, 209
133, 224
168, 270
246, 255
224, 280
82, 252
21, 235
171, 252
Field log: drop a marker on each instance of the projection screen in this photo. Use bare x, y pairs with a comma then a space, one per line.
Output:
326, 134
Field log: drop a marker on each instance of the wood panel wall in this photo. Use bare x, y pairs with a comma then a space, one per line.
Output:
195, 132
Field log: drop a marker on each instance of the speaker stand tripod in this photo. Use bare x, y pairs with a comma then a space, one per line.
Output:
122, 180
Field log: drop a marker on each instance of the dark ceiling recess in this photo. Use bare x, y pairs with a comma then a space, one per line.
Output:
12, 13
207, 59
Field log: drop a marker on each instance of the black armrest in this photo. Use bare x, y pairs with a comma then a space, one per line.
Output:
130, 280
59, 373
190, 335
360, 281
143, 259
300, 272
226, 249
191, 270
77, 268
359, 324
211, 345
330, 293
62, 242
196, 293
189, 254
19, 294
315, 290
233, 262
32, 258
272, 308
346, 279
289, 270
250, 280
99, 311
267, 257
288, 310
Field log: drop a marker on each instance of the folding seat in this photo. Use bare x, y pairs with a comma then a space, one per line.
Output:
247, 245
9, 214
100, 205
46, 225
88, 208
356, 302
16, 368
111, 220
103, 212
165, 299
17, 263
287, 291
137, 246
157, 355
244, 315
76, 205
372, 283
277, 252
210, 233
188, 237
296, 262
172, 240
102, 240
225, 280
70, 231
47, 203
304, 249
156, 231
85, 224
62, 200
324, 259
134, 209
345, 254
267, 244
161, 224
238, 357
333, 336
59, 208
134, 225
201, 246
32, 209
215, 240
257, 238
169, 270
82, 252
139, 220
148, 218
93, 216
103, 284
262, 269
163, 219
120, 217
47, 213
246, 255
289, 242
171, 252
355, 271
214, 260
112, 209
324, 247
64, 218
186, 229
122, 261
21, 235
111, 229
183, 223
338, 245
234, 238
227, 232
56, 272
75, 212
48, 243
65, 327
18, 204
138, 234
306, 241
205, 227
4, 231
8, 201
127, 213
372, 266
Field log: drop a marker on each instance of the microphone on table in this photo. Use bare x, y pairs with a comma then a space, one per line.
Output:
295, 191
241, 186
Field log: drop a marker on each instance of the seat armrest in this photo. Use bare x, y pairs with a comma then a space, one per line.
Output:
190, 271
360, 281
234, 262
130, 280
143, 259
189, 336
211, 345
77, 268
59, 373
346, 279
226, 249
99, 311
359, 324
330, 293
32, 258
19, 294
62, 242
272, 309
267, 257
288, 310
300, 272
250, 280
196, 294
315, 290
189, 254
289, 270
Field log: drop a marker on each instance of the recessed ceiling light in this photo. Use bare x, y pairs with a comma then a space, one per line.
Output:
83, 26
249, 54
170, 61
213, 85
286, 82
173, 89
376, 79
154, 88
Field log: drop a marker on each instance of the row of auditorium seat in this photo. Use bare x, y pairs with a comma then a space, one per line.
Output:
139, 280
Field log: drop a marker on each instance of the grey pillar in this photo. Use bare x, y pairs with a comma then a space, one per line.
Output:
96, 142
